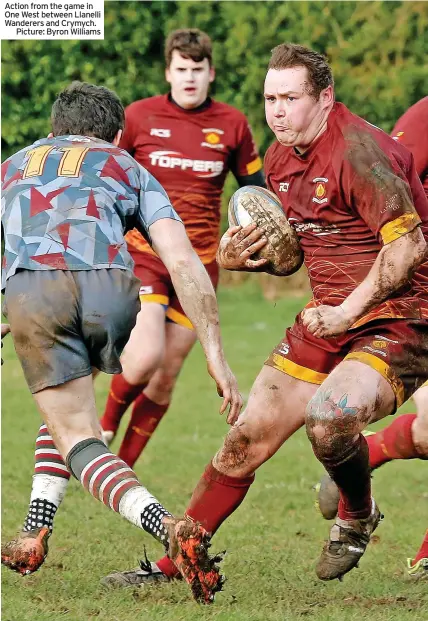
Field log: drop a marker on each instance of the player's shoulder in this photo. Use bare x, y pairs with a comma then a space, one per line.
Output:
146, 104
358, 138
415, 118
226, 110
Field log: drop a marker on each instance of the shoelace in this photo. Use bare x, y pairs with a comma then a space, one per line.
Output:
145, 564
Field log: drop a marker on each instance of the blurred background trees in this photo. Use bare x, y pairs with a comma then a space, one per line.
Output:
377, 50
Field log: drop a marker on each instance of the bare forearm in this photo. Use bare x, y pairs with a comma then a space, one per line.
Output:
393, 268
197, 297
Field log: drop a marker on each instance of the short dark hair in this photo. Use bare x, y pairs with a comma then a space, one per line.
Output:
87, 110
288, 55
191, 43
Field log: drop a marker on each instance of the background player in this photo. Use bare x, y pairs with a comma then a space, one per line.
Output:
189, 142
407, 436
357, 203
72, 300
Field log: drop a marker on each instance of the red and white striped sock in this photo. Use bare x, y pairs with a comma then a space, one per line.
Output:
110, 480
50, 482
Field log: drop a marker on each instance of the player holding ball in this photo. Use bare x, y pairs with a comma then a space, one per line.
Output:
356, 352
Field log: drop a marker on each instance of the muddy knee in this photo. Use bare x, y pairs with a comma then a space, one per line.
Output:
240, 455
332, 427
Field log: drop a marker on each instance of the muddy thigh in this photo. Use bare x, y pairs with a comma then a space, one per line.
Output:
275, 410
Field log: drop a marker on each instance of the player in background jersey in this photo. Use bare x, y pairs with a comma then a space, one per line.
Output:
407, 436
189, 142
355, 353
72, 300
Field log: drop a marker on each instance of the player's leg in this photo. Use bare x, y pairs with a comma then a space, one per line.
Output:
398, 352
354, 395
275, 410
151, 405
418, 566
141, 357
145, 349
27, 552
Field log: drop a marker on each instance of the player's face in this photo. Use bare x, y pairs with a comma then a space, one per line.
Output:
294, 116
189, 80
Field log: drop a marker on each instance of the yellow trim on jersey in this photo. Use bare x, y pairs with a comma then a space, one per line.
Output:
425, 384
157, 298
254, 166
398, 227
295, 370
384, 369
179, 318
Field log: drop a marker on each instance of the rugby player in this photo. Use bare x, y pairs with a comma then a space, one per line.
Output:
407, 436
355, 353
189, 142
72, 300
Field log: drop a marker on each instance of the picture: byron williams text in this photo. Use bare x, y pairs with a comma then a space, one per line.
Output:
52, 19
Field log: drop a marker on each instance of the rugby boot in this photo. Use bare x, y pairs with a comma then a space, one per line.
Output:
419, 570
146, 574
346, 545
188, 549
26, 553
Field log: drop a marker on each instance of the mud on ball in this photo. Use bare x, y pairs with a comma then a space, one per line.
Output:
254, 204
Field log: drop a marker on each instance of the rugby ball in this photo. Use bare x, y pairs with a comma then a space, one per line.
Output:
254, 204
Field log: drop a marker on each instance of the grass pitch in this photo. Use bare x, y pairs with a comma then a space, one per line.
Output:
273, 540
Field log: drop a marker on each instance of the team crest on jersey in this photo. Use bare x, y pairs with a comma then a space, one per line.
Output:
283, 186
320, 190
160, 133
212, 138
397, 136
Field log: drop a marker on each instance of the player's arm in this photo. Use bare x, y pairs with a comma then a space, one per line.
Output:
197, 297
385, 198
157, 220
392, 269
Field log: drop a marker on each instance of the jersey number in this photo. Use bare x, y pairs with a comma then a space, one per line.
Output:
69, 164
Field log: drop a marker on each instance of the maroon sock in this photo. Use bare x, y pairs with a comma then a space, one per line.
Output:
146, 416
423, 550
216, 496
120, 396
393, 442
352, 477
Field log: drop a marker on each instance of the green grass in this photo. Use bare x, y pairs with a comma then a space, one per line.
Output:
273, 540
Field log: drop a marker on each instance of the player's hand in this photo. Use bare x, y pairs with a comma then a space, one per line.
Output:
227, 387
324, 321
5, 329
237, 246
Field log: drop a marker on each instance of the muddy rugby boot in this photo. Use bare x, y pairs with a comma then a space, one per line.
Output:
346, 545
146, 574
26, 553
188, 549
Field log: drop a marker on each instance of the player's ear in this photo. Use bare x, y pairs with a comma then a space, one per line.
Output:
117, 138
327, 96
168, 75
50, 135
212, 74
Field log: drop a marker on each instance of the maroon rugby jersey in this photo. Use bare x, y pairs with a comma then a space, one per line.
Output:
411, 130
190, 153
352, 191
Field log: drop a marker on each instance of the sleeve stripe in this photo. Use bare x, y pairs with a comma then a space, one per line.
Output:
254, 166
399, 227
